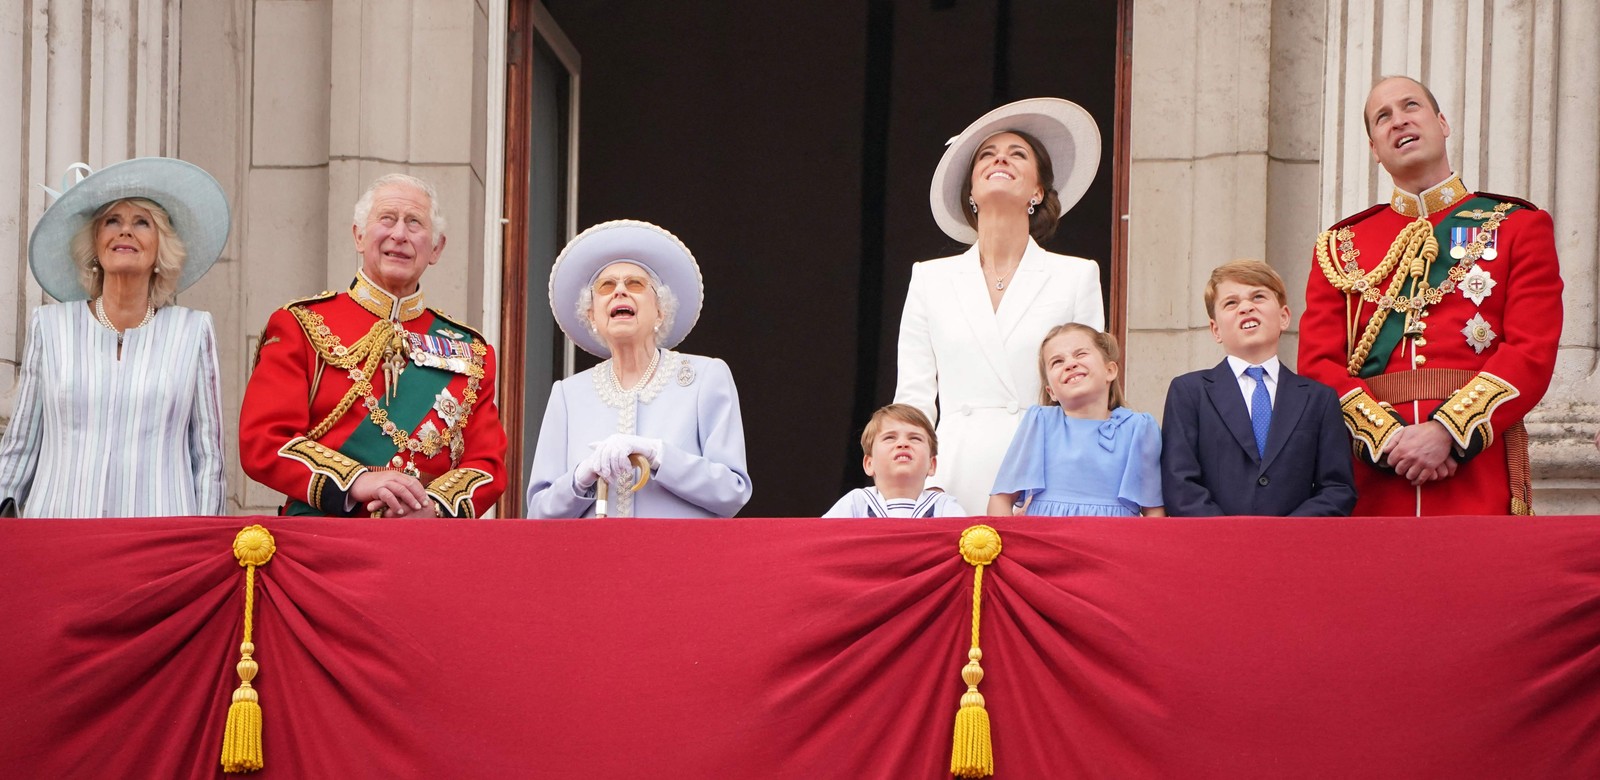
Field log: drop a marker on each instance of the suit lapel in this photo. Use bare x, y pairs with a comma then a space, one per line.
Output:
1222, 388
1287, 409
1032, 276
969, 290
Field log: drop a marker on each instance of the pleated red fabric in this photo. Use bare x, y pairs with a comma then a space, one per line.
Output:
1164, 648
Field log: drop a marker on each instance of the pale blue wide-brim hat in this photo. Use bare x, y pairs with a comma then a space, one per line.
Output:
624, 241
192, 198
1066, 131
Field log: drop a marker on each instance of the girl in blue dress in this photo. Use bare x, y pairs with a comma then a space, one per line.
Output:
1080, 452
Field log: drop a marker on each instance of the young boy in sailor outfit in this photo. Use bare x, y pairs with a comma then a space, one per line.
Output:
899, 451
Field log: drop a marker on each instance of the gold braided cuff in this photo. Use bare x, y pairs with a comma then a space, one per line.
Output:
1466, 413
453, 490
1371, 423
323, 461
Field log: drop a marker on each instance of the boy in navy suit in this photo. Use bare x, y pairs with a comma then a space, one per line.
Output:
1251, 437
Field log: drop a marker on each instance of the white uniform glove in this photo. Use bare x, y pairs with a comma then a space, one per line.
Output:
588, 471
612, 455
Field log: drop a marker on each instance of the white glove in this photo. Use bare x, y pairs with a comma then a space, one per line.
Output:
588, 471
612, 454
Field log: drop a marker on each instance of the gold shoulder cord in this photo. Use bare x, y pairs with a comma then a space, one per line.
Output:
1408, 259
384, 338
370, 348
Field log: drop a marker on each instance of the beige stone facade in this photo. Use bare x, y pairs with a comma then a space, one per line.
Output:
1245, 138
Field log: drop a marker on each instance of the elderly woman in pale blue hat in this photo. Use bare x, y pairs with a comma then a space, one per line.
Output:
118, 406
629, 292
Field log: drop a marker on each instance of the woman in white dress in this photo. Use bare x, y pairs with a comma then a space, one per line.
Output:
629, 292
972, 324
118, 406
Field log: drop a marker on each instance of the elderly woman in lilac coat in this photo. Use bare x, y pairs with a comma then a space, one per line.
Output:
628, 292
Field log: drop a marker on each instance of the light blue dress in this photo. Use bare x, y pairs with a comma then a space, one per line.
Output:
690, 404
1072, 467
98, 436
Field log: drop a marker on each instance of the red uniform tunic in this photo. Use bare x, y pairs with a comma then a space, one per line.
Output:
318, 411
1465, 361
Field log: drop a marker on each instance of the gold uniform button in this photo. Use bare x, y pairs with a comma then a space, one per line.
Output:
1421, 359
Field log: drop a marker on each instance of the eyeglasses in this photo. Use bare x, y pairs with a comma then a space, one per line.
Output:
633, 284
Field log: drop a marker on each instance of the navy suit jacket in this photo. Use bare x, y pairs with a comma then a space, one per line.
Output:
1209, 464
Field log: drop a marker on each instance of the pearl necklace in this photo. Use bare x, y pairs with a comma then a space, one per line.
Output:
100, 314
649, 371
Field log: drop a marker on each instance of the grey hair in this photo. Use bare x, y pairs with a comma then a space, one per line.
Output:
170, 253
666, 303
364, 204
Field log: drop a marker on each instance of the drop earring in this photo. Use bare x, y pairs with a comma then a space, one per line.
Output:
974, 205
1031, 204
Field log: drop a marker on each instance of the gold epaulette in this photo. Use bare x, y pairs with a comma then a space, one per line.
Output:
318, 298
453, 489
1466, 412
1371, 422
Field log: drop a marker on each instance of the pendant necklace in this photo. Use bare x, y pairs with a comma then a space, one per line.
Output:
1000, 281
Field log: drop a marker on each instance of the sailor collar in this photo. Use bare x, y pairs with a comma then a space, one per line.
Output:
1433, 200
382, 303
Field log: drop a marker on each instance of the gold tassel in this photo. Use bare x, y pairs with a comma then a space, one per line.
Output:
241, 740
972, 752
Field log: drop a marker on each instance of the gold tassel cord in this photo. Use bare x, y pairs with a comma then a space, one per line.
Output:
241, 740
972, 750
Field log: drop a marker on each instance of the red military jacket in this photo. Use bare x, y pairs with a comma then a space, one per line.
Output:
1449, 351
319, 410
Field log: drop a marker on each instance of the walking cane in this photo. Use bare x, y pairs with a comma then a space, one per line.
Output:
601, 488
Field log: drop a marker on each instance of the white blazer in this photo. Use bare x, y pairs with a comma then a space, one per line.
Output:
982, 364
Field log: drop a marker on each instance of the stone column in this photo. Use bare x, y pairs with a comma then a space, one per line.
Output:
88, 81
1225, 133
1519, 83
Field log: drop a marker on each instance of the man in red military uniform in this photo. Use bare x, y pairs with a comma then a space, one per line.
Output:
1408, 319
368, 402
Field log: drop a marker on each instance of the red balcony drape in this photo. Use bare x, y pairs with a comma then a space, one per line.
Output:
1164, 648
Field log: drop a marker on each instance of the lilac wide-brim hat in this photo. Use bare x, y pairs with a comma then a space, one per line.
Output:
624, 241
1067, 132
192, 198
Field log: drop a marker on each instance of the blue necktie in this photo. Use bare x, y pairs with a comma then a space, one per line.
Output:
1260, 408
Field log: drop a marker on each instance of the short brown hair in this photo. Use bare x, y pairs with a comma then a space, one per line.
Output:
905, 413
1366, 121
1105, 342
1047, 214
1252, 273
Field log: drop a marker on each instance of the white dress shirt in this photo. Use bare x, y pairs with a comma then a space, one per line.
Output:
1247, 386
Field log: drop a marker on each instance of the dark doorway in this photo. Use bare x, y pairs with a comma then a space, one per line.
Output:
790, 146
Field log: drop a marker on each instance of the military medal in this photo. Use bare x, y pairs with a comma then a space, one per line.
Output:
1479, 334
1477, 284
1458, 241
1489, 252
439, 352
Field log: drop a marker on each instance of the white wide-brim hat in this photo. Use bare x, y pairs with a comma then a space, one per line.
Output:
624, 241
193, 200
1067, 132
